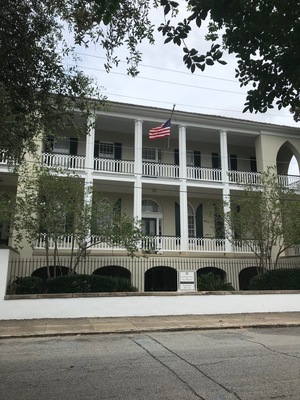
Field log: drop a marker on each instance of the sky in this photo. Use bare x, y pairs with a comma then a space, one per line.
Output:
164, 80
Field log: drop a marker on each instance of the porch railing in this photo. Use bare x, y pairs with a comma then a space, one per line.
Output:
160, 170
111, 165
63, 161
204, 174
207, 245
243, 177
240, 246
3, 158
63, 242
289, 181
151, 244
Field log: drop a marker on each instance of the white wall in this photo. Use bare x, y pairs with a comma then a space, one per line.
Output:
139, 304
147, 306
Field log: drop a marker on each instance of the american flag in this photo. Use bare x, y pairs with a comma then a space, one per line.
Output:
161, 130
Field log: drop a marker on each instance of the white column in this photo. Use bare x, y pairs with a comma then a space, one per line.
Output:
226, 190
89, 155
89, 165
182, 151
138, 169
183, 190
224, 155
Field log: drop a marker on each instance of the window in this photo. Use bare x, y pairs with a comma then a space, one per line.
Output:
191, 221
150, 154
253, 166
215, 160
61, 145
106, 150
233, 162
150, 206
190, 158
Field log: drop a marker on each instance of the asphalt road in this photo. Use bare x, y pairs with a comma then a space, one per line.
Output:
245, 364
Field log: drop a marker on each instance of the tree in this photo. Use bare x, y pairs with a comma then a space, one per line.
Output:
53, 210
264, 35
265, 217
39, 93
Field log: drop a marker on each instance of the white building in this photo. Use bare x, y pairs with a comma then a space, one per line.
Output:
170, 184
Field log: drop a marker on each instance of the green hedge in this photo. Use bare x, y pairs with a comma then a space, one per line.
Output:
26, 285
212, 282
278, 279
71, 284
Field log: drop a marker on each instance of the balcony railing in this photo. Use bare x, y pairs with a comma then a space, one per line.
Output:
63, 242
111, 165
204, 174
169, 171
289, 181
240, 246
244, 178
207, 245
3, 158
155, 170
149, 244
63, 161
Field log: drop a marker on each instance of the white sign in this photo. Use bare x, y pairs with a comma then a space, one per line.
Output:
187, 281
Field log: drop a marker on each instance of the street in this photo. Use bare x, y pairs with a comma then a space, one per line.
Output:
244, 364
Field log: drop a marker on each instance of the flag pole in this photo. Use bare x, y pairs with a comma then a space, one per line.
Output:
171, 119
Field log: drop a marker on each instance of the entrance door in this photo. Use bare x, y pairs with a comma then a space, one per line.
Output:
149, 229
149, 226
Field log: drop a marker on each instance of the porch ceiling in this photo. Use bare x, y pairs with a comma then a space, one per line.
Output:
107, 123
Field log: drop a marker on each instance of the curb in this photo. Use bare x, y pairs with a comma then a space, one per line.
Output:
142, 330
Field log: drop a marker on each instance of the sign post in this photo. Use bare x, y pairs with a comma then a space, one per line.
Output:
187, 281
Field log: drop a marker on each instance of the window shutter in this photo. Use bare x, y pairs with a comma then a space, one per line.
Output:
49, 144
177, 219
73, 146
117, 207
233, 162
219, 225
197, 158
118, 151
199, 221
96, 149
176, 156
215, 160
253, 165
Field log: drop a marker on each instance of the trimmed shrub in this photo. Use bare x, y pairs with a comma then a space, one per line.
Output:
212, 282
278, 279
26, 285
87, 284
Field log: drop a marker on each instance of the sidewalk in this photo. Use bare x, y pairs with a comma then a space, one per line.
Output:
86, 326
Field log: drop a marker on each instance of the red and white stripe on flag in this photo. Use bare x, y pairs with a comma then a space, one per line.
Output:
161, 131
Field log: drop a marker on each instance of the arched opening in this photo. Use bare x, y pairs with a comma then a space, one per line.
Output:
114, 271
212, 279
161, 279
287, 160
246, 275
54, 271
293, 167
216, 271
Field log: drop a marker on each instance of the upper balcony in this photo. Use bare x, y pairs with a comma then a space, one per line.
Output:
160, 170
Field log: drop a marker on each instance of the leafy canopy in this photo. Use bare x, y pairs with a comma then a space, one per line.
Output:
39, 92
263, 34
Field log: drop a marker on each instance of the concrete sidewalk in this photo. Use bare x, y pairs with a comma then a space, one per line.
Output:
86, 326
